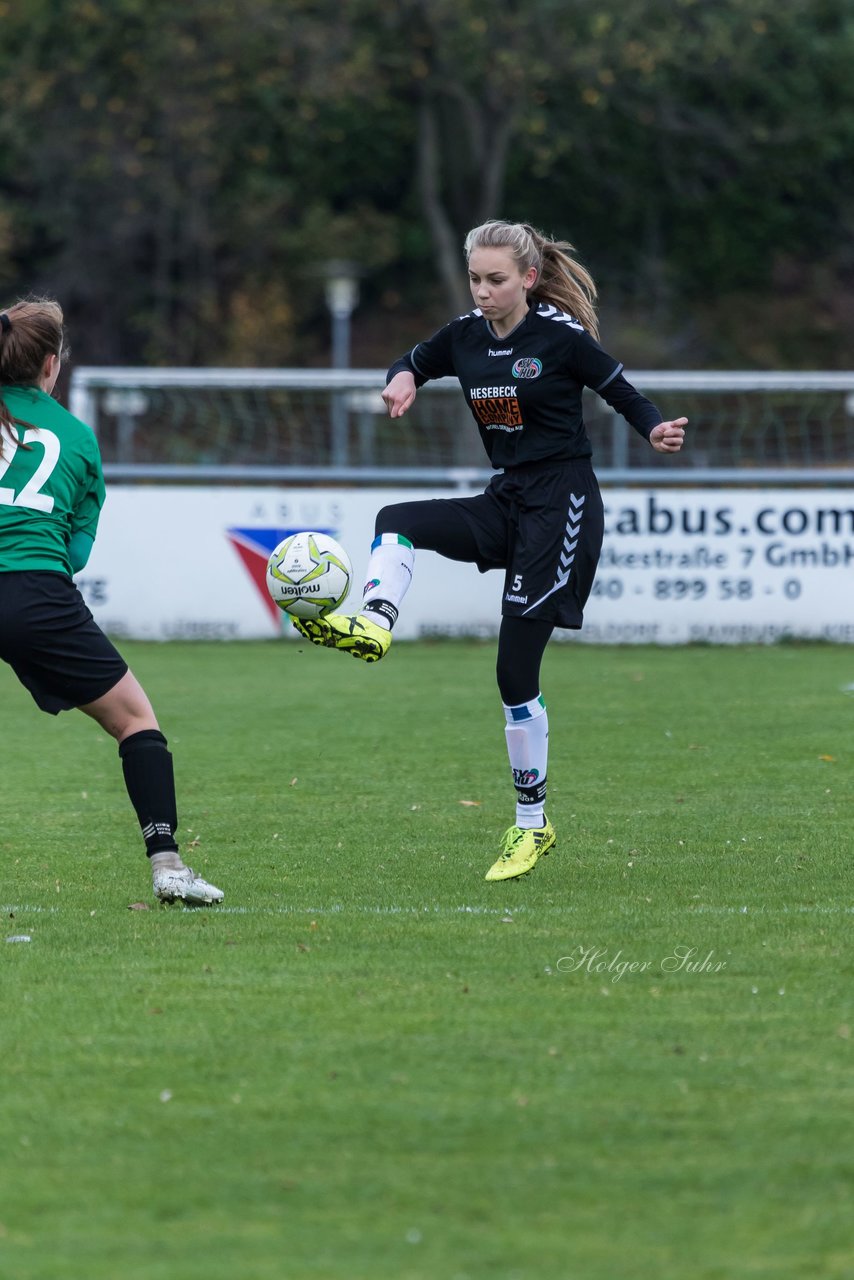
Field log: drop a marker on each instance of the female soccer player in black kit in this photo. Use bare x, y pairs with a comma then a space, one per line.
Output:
523, 358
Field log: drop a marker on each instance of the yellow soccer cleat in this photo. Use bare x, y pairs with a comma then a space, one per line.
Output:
354, 633
521, 849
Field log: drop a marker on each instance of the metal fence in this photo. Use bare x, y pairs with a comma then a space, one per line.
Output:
330, 426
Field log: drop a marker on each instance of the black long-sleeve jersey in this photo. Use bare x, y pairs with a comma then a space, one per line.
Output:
524, 390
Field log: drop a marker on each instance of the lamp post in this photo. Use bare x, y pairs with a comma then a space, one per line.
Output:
342, 295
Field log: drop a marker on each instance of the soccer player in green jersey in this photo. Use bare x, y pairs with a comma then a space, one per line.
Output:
523, 357
51, 493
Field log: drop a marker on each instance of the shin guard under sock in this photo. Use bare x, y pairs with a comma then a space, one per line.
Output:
389, 577
527, 734
150, 782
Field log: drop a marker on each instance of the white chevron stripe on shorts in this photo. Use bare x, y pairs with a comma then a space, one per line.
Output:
567, 551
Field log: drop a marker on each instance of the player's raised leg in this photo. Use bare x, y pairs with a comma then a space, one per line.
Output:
435, 524
367, 634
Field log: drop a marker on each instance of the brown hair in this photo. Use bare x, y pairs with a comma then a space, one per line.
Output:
30, 331
561, 280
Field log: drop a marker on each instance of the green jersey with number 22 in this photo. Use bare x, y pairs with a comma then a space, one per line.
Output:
51, 483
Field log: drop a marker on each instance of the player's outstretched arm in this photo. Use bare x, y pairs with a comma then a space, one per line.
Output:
667, 437
399, 394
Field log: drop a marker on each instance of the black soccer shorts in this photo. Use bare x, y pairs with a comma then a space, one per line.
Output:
541, 522
52, 643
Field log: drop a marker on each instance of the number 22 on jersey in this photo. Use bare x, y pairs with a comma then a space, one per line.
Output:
31, 495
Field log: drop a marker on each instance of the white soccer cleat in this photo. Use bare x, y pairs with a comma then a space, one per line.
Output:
185, 886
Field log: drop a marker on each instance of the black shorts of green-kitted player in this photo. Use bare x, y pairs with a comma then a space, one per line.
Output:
53, 644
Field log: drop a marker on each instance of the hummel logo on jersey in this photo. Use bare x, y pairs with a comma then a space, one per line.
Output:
528, 367
506, 351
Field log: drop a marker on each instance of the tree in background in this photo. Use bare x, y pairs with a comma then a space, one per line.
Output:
167, 171
179, 174
698, 153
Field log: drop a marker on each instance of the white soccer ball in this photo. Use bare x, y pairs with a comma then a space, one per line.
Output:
309, 574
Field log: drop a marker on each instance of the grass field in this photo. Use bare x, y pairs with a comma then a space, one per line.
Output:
369, 1064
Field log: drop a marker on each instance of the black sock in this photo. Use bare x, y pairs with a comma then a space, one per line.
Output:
384, 608
531, 795
150, 782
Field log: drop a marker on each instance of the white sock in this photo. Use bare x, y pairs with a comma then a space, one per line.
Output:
166, 860
389, 576
527, 734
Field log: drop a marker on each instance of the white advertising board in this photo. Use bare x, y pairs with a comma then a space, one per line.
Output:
723, 566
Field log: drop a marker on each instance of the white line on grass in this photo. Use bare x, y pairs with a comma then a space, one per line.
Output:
339, 909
